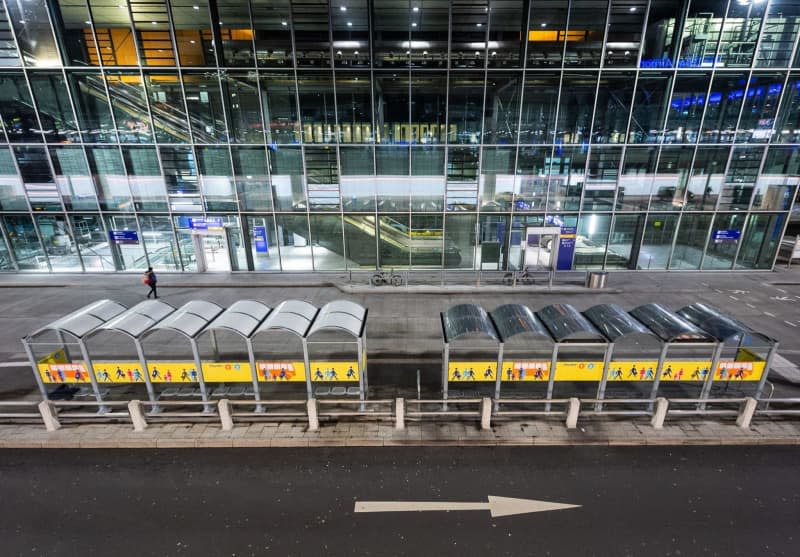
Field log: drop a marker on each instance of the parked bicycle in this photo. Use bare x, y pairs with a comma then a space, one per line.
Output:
524, 277
381, 278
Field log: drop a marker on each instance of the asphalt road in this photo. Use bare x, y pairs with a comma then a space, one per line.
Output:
687, 501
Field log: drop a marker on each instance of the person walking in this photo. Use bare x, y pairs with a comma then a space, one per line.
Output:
150, 280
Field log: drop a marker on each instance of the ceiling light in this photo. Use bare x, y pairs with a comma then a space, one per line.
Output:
154, 22
479, 25
349, 23
196, 7
414, 24
425, 52
342, 8
633, 8
192, 41
284, 23
415, 9
339, 52
627, 52
87, 22
356, 53
544, 25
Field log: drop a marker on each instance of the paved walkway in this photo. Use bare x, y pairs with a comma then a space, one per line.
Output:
539, 432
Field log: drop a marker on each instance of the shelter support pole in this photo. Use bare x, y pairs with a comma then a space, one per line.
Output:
199, 365
254, 374
761, 382
551, 376
601, 388
307, 364
38, 376
63, 343
445, 374
214, 345
710, 375
659, 370
151, 393
361, 375
363, 353
90, 371
499, 377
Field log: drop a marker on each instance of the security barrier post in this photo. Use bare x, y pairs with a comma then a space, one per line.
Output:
659, 370
49, 418
746, 412
773, 349
601, 388
486, 413
573, 409
499, 377
254, 375
90, 371
552, 376
199, 365
662, 405
151, 393
225, 416
399, 413
706, 391
137, 416
313, 416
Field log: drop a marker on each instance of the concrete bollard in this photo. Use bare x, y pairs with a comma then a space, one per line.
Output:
486, 413
573, 409
662, 405
224, 407
313, 417
746, 413
399, 413
137, 416
49, 418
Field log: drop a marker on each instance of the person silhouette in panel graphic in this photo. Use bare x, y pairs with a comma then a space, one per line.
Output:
469, 374
193, 374
667, 372
351, 373
488, 373
184, 375
61, 376
120, 374
105, 376
334, 376
739, 374
648, 375
521, 373
318, 375
130, 375
456, 375
78, 375
168, 377
633, 372
155, 373
509, 374
282, 374
679, 375
538, 374
49, 377
137, 376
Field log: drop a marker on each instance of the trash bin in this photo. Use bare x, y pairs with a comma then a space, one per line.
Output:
597, 279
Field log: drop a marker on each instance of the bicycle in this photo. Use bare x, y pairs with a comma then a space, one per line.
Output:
525, 278
381, 278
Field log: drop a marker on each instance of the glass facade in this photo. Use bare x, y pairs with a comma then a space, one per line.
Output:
283, 135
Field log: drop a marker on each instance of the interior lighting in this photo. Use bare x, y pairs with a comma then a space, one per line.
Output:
349, 23
544, 25
342, 8
632, 8
196, 7
414, 24
284, 23
479, 25
87, 22
154, 22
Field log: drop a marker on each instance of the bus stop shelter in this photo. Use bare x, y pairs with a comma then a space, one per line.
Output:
635, 350
468, 330
292, 318
58, 367
526, 349
339, 326
132, 323
744, 356
677, 334
572, 331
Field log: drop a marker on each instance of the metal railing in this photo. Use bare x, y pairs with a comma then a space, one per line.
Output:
55, 412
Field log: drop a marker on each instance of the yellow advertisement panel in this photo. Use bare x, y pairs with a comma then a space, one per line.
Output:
632, 370
472, 371
526, 371
334, 371
579, 371
685, 370
276, 372
118, 372
63, 373
729, 370
57, 357
227, 372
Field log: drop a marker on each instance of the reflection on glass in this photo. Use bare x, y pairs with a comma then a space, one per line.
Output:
740, 33
129, 103
686, 107
219, 193
428, 102
721, 251
160, 243
394, 241
657, 241
91, 106
429, 32
459, 241
740, 178
24, 243
492, 249
359, 241
273, 37
144, 178
58, 243
74, 179
39, 183
288, 179
78, 44
92, 243
601, 180
637, 177
547, 33
391, 108
204, 102
35, 39
180, 175
469, 25
354, 106
166, 104
322, 175
497, 178
151, 22
690, 241
625, 26
244, 106
787, 127
236, 32
317, 107
54, 109
701, 33
112, 28
501, 110
530, 191
310, 23
587, 23
722, 111
566, 168
662, 38
465, 108
591, 241
426, 236
575, 110
109, 174
357, 178
252, 180
761, 240
280, 107
760, 107
127, 257
507, 33
12, 192
669, 188
781, 26
708, 173
326, 243
650, 106
16, 109
625, 242
295, 248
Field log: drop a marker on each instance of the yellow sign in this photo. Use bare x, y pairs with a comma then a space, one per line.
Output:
118, 372
632, 370
64, 373
276, 372
333, 371
472, 371
57, 357
729, 370
227, 372
526, 371
579, 371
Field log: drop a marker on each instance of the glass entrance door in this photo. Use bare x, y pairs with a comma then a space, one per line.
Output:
541, 248
211, 251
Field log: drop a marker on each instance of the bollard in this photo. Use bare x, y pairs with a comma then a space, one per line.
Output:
313, 418
662, 405
573, 409
746, 413
137, 416
486, 413
49, 418
399, 413
224, 407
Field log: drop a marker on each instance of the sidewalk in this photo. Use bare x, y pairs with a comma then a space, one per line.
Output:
429, 434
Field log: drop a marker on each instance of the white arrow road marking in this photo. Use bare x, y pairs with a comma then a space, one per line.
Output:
790, 323
770, 314
497, 506
15, 364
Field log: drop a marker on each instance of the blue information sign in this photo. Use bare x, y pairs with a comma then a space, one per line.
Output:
260, 235
720, 236
566, 248
123, 236
200, 223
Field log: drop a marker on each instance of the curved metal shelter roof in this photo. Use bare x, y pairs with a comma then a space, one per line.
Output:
723, 327
516, 319
189, 319
465, 319
137, 320
294, 316
669, 326
243, 318
567, 324
340, 315
84, 320
615, 323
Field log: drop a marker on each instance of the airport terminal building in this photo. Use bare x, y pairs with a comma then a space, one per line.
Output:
320, 135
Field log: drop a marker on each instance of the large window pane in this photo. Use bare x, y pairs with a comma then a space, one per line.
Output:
394, 241
112, 26
637, 177
357, 179
662, 38
327, 242
35, 39
669, 187
601, 181
497, 178
459, 241
719, 252
322, 174
204, 102
264, 243
708, 174
657, 242
9, 57
191, 24
166, 103
591, 241
24, 243
701, 33
740, 178
359, 241
92, 243
429, 31
625, 26
781, 26
530, 185
426, 237
34, 168
393, 183
293, 243
74, 179
492, 250
539, 104
144, 178
566, 168
547, 33
722, 112
690, 241
73, 27
245, 107
12, 192
273, 37
465, 108
288, 178
16, 108
351, 34
91, 106
686, 107
587, 23
128, 257
310, 21
354, 106
614, 98
507, 33
740, 33
650, 107
109, 174
280, 107
761, 240
625, 242
428, 101
216, 178
236, 32
317, 107
470, 23
391, 108
129, 103
159, 241
760, 107
575, 110
787, 128
58, 243
151, 22
180, 175
501, 111
55, 111
252, 180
